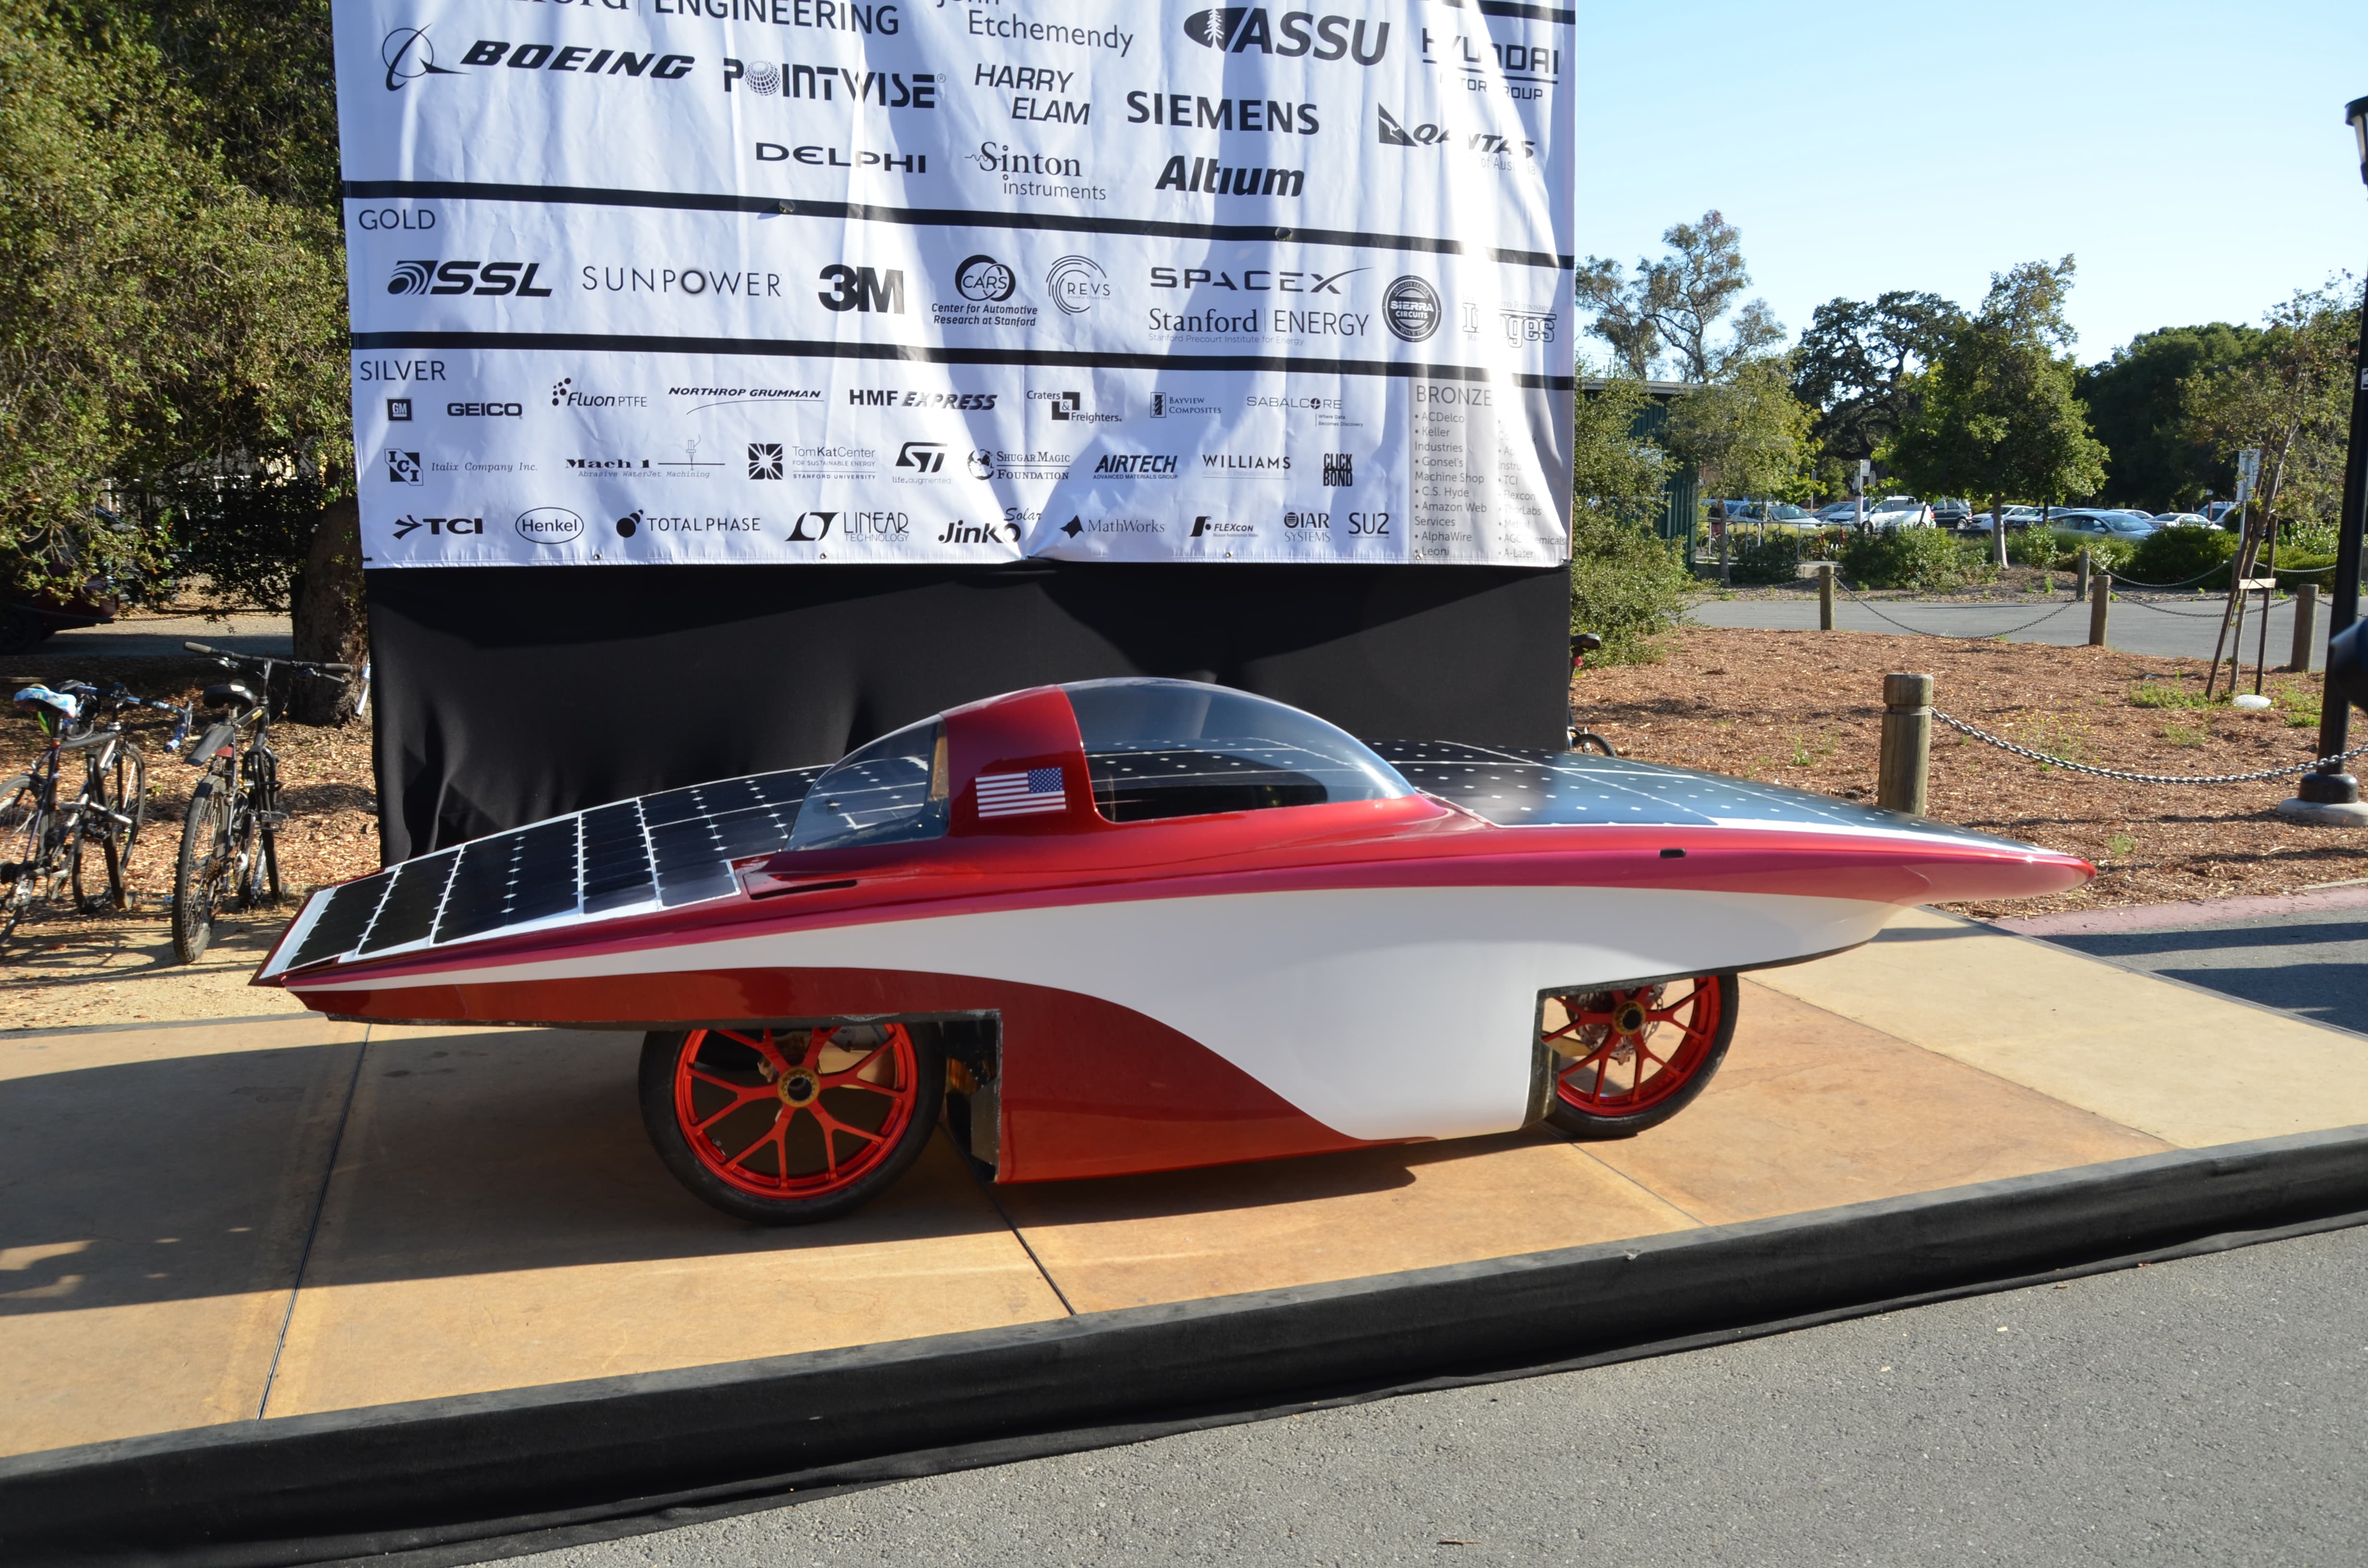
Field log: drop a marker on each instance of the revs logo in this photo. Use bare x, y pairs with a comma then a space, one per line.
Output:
495, 278
439, 528
1244, 29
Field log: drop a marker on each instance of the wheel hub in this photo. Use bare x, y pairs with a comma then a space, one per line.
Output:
798, 1086
1630, 1019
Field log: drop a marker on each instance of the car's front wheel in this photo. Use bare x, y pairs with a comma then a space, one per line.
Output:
1627, 1059
786, 1127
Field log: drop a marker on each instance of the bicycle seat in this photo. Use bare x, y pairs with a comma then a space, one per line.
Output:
1585, 642
228, 693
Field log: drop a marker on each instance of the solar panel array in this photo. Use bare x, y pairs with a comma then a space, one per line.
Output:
654, 852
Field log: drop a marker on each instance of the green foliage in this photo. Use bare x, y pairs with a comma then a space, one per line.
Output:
2035, 546
1627, 584
2104, 554
1857, 364
1771, 557
2184, 557
1999, 418
2291, 398
1747, 435
2137, 403
1927, 560
1672, 306
2166, 694
155, 312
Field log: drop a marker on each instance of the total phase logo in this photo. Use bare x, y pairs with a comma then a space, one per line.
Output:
1077, 284
984, 279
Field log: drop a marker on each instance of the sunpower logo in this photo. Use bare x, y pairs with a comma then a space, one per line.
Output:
1242, 29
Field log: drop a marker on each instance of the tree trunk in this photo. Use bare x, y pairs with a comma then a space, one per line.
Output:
330, 624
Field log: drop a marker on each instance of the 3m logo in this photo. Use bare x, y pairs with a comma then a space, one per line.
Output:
764, 460
862, 288
926, 457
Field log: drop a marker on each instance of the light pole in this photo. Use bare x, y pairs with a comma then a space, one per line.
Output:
2331, 795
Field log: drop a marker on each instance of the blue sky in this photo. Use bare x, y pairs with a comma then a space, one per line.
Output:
2192, 157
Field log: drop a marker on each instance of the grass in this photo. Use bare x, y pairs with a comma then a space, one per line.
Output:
2181, 734
2163, 694
2120, 845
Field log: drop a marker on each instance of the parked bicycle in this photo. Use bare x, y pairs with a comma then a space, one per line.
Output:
229, 851
1582, 643
47, 838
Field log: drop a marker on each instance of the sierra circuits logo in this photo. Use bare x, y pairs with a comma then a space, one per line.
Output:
409, 55
1241, 29
492, 278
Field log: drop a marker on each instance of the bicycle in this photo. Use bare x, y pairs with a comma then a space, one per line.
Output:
229, 851
1582, 643
116, 775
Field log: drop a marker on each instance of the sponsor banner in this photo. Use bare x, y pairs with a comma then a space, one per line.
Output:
828, 280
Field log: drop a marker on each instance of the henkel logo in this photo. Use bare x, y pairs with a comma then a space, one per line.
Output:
549, 525
1248, 30
493, 277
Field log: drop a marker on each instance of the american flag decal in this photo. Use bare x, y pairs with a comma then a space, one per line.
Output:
1020, 794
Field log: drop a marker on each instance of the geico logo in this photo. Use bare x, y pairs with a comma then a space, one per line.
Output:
692, 280
878, 525
836, 158
485, 410
494, 277
1190, 111
394, 218
862, 288
551, 57
439, 528
888, 89
960, 532
1373, 524
1240, 29
1212, 178
888, 397
1255, 280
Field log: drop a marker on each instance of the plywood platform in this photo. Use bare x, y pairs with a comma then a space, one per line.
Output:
222, 1222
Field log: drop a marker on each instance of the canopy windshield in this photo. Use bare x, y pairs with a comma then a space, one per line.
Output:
1173, 748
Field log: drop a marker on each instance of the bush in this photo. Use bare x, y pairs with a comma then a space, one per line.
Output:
2035, 546
1928, 560
1772, 558
1627, 584
2182, 558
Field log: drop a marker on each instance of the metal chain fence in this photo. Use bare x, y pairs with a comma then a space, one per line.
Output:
1981, 735
1868, 605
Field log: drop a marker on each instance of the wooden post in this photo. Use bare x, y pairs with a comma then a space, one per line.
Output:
2080, 579
2100, 600
2305, 627
1825, 596
1903, 772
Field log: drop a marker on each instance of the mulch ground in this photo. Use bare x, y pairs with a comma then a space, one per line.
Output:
1804, 709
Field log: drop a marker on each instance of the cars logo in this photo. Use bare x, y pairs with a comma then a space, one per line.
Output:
408, 56
549, 525
764, 460
1410, 307
1239, 29
926, 457
402, 468
819, 521
984, 279
1076, 284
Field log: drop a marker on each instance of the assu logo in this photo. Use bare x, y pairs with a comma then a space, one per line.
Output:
492, 278
862, 288
439, 527
1245, 30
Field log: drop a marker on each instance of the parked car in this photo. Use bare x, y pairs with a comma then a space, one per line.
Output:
2102, 525
1841, 514
1898, 512
2181, 521
2025, 517
28, 619
1950, 512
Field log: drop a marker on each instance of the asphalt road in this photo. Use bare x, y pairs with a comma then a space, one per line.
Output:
154, 636
2184, 627
2213, 1410
2313, 965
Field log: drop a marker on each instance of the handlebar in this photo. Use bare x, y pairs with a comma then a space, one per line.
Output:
311, 667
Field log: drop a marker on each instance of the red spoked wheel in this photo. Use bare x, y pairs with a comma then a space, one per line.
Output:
1627, 1059
789, 1126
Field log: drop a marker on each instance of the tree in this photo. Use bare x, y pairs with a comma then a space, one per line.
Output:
1747, 432
2290, 396
2137, 403
1627, 584
1999, 418
1856, 365
1673, 306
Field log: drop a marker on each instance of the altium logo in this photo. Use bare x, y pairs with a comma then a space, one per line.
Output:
1210, 178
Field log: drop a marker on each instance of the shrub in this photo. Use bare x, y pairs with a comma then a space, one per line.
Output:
1928, 560
2183, 558
1771, 558
2035, 546
1627, 584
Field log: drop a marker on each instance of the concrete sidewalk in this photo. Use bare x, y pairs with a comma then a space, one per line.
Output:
222, 1222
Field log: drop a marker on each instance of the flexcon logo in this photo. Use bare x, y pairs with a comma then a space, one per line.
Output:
1242, 29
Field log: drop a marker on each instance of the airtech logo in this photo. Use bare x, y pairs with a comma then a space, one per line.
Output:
408, 56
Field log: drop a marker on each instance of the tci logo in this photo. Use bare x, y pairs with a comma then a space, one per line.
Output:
984, 279
549, 525
408, 54
1240, 29
862, 288
812, 527
1076, 284
439, 528
764, 460
922, 457
495, 278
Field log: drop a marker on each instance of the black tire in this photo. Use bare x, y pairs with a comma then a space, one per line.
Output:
19, 849
1700, 1058
273, 892
663, 1050
19, 632
203, 870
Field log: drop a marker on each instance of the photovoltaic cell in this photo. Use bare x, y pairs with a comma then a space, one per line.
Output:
343, 920
616, 859
410, 907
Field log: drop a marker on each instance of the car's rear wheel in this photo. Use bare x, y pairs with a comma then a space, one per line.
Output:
786, 1127
1627, 1059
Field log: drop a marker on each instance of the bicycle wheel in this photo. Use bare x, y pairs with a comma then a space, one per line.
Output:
128, 787
267, 813
20, 851
202, 877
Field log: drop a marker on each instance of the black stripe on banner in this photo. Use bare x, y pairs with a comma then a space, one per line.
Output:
1528, 13
920, 217
802, 348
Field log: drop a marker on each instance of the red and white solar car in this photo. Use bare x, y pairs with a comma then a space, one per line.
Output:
1128, 925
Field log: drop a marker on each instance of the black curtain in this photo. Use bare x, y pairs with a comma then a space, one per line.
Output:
507, 693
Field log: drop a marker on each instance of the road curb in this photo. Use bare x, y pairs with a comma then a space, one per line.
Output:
405, 1477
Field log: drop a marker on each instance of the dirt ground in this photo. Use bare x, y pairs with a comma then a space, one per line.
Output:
1804, 709
1797, 708
63, 968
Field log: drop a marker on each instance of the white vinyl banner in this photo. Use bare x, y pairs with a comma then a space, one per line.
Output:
959, 280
